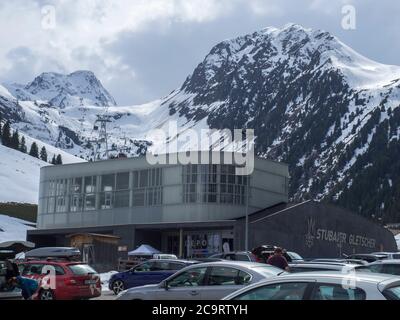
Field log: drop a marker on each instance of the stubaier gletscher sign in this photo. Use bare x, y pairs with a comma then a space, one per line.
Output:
314, 233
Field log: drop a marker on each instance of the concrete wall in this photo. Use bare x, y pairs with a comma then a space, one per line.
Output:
317, 230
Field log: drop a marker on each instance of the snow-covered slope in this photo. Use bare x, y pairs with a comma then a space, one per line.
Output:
19, 173
13, 229
80, 88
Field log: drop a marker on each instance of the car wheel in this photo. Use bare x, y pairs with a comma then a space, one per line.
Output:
118, 286
46, 295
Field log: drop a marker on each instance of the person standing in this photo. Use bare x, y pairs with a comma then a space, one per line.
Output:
278, 260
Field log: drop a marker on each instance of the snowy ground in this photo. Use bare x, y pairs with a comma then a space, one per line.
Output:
105, 277
19, 174
13, 229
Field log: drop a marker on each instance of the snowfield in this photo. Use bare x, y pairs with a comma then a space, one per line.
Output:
19, 173
13, 229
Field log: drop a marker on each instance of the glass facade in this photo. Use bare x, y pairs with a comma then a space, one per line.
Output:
214, 184
104, 192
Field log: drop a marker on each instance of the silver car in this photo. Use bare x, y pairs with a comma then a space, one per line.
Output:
205, 281
323, 286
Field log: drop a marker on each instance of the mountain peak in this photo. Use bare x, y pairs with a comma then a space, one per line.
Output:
80, 88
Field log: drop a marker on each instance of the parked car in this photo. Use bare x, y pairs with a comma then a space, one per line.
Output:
205, 281
347, 261
235, 256
165, 256
319, 266
293, 256
382, 266
369, 257
149, 272
389, 255
262, 253
322, 286
73, 280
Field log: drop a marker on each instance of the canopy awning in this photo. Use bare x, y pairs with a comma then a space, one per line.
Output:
144, 250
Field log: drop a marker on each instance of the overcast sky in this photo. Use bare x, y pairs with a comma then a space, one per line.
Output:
143, 49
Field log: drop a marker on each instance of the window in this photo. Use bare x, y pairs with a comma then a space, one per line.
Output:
306, 269
376, 268
138, 197
175, 266
59, 271
392, 293
336, 292
144, 175
33, 269
277, 291
391, 269
121, 199
122, 181
242, 257
90, 202
201, 184
227, 276
81, 269
147, 187
61, 194
190, 278
90, 185
145, 267
76, 196
107, 188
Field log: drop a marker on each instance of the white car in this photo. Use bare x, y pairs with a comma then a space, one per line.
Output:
323, 286
204, 281
159, 256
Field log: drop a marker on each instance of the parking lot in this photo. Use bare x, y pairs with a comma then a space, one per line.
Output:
106, 295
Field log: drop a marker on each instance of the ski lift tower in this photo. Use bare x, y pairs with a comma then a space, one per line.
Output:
100, 126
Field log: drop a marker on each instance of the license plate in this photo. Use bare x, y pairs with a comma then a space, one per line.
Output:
90, 281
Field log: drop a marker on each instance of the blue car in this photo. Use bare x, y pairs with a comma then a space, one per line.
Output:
149, 272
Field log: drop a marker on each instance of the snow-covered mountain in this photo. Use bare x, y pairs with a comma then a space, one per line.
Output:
314, 103
80, 88
20, 173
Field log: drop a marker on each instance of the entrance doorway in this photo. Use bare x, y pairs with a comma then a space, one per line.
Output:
199, 244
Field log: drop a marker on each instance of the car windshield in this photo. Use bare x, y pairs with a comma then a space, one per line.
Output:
268, 270
81, 269
392, 293
295, 256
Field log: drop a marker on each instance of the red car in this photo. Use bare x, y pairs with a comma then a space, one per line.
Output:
62, 280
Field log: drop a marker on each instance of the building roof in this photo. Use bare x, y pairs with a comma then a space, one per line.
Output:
275, 209
97, 235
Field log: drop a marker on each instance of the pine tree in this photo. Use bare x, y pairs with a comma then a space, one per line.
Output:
14, 143
6, 135
59, 159
53, 160
34, 151
43, 154
22, 145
